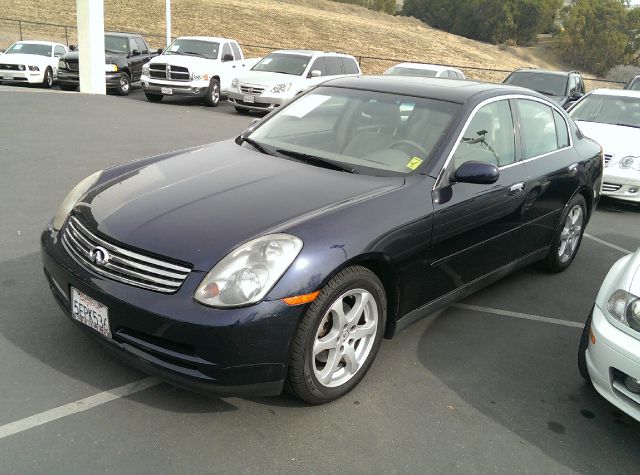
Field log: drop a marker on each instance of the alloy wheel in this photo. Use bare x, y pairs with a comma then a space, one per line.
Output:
124, 84
571, 232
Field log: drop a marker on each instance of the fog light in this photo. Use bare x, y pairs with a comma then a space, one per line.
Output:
632, 384
633, 190
196, 90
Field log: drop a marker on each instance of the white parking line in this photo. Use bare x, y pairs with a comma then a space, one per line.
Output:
75, 407
526, 316
608, 244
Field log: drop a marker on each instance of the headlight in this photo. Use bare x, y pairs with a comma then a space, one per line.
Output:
249, 272
625, 308
630, 162
21, 67
34, 68
145, 69
72, 198
198, 77
62, 64
280, 88
234, 83
111, 68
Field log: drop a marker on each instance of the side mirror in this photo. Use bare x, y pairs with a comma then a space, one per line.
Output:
135, 52
477, 172
316, 73
73, 47
227, 57
160, 50
577, 95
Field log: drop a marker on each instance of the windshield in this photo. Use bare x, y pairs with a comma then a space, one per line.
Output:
634, 85
405, 71
369, 132
204, 49
616, 110
116, 44
29, 48
549, 84
294, 64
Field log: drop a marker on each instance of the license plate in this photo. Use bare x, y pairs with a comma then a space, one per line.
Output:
90, 312
166, 90
250, 99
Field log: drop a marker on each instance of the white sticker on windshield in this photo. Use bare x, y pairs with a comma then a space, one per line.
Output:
175, 47
18, 46
267, 60
306, 104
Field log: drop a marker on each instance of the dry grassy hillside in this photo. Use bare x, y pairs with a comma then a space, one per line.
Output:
320, 24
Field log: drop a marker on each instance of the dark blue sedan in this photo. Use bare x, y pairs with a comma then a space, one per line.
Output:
285, 255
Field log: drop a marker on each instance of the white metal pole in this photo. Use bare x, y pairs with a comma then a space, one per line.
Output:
168, 20
90, 18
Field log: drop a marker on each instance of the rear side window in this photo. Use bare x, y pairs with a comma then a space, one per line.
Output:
333, 64
236, 51
318, 65
537, 128
561, 130
349, 66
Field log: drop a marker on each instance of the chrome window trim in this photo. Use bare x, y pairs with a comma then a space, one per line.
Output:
495, 99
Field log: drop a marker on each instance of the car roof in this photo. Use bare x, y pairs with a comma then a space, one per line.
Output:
616, 92
425, 66
217, 39
311, 52
119, 33
544, 71
451, 90
38, 42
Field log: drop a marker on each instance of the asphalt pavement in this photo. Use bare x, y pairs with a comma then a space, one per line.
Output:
472, 389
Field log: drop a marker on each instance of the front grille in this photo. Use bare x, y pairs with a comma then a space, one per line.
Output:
166, 71
246, 89
607, 158
72, 64
11, 67
610, 187
123, 265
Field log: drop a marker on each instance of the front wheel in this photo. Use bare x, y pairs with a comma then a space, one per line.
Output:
47, 80
568, 236
213, 93
124, 85
338, 337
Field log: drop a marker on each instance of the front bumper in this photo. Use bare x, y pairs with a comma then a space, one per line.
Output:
190, 89
263, 102
72, 78
31, 77
241, 351
614, 353
621, 186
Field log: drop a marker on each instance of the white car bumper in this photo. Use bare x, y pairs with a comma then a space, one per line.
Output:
27, 76
614, 353
258, 102
621, 185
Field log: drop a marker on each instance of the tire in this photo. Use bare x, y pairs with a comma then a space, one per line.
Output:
124, 85
68, 87
47, 80
567, 238
153, 97
582, 350
212, 99
343, 343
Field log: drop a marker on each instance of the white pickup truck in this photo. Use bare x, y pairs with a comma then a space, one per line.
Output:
195, 66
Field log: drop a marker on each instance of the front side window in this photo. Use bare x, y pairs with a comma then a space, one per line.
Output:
607, 109
294, 64
189, 47
363, 130
29, 48
60, 51
141, 45
319, 65
489, 137
537, 128
116, 44
334, 66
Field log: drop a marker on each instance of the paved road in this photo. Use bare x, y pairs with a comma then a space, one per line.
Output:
468, 390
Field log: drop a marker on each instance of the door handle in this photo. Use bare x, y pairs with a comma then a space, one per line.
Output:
572, 169
516, 188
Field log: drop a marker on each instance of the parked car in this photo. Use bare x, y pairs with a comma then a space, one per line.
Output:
32, 62
633, 84
563, 88
287, 253
609, 353
125, 54
424, 70
284, 74
195, 66
612, 118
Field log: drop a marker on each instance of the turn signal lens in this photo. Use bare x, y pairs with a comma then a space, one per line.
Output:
300, 299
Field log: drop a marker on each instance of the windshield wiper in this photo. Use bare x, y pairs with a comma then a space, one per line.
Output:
319, 161
194, 53
257, 145
628, 125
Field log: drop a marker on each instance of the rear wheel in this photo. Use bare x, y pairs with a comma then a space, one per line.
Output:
153, 97
213, 93
47, 80
338, 337
582, 351
68, 87
124, 85
568, 236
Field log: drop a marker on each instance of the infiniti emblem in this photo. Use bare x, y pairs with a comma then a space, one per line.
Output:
99, 255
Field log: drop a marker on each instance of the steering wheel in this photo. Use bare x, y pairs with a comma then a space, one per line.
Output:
410, 143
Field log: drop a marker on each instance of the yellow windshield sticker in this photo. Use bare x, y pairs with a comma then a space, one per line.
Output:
414, 163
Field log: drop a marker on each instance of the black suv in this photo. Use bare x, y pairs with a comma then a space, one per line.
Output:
563, 88
633, 84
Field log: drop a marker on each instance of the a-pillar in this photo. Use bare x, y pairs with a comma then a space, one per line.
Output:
90, 16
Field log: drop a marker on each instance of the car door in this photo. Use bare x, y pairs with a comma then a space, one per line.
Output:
476, 227
553, 167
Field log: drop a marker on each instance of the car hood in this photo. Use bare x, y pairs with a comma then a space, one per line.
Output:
199, 205
108, 57
616, 140
194, 63
265, 78
33, 59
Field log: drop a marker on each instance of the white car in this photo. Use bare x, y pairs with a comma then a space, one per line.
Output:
195, 66
282, 75
612, 118
32, 62
609, 354
424, 71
